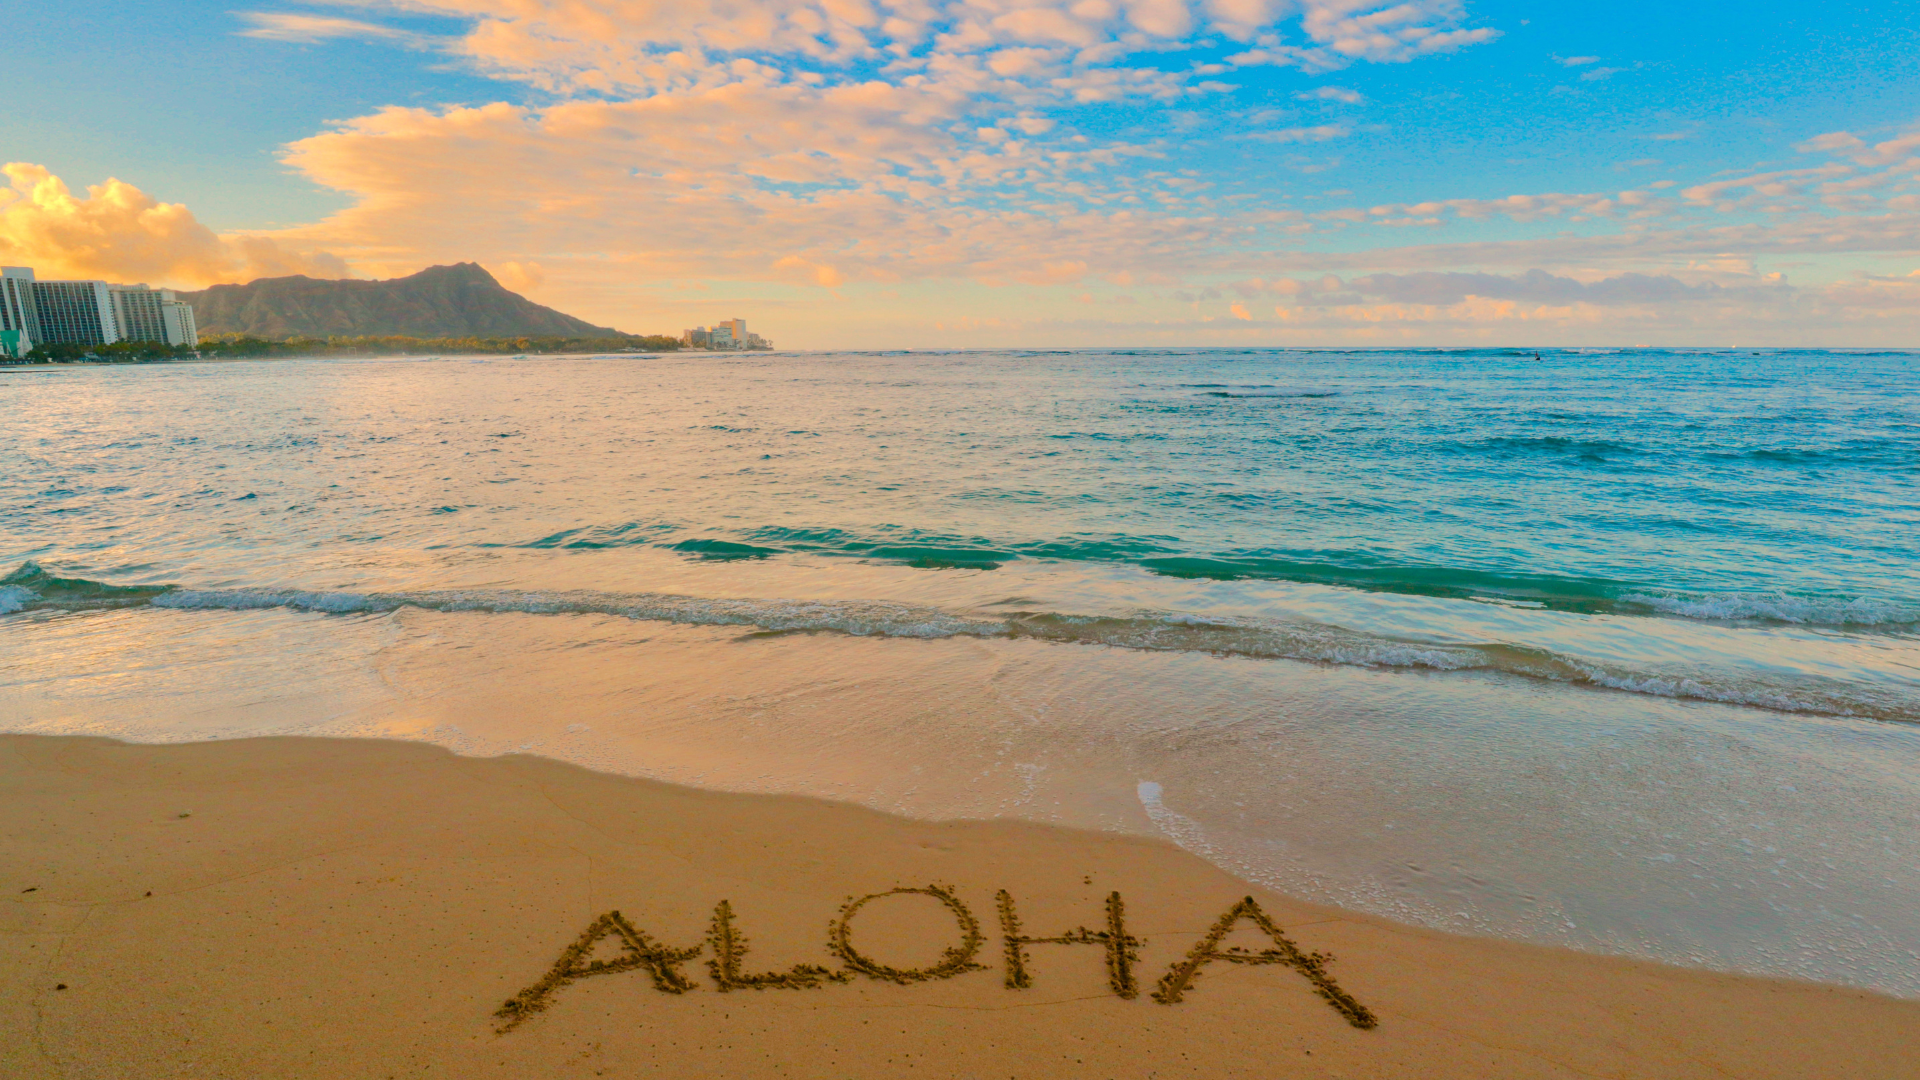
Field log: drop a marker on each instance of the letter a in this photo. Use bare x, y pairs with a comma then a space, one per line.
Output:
1122, 951
637, 950
1180, 977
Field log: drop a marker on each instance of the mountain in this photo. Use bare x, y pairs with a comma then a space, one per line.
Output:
461, 300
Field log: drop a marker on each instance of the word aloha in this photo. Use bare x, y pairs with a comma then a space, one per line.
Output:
727, 963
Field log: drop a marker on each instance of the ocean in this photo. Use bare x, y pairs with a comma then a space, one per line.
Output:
1610, 649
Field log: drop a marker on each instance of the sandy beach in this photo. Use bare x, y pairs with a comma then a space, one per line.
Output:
358, 908
976, 539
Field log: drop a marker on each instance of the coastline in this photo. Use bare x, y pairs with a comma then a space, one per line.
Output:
57, 365
316, 907
368, 355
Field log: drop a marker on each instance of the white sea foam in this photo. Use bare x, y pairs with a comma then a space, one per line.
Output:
860, 618
1159, 632
1779, 607
1179, 828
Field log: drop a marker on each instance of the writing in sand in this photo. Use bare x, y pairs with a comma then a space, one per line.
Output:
726, 962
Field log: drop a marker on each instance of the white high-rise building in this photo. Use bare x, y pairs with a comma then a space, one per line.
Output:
180, 325
136, 313
730, 335
34, 312
17, 323
73, 313
144, 314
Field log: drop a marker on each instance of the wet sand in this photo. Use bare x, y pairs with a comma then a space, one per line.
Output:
354, 908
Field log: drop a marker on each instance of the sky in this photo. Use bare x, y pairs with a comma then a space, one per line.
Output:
981, 173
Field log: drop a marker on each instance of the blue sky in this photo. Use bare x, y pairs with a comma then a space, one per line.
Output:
976, 172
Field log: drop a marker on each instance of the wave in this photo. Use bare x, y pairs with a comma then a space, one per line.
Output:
1271, 393
1162, 555
32, 588
1834, 611
1553, 445
1335, 645
1592, 596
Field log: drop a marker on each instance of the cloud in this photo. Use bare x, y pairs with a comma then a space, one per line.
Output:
120, 233
1534, 286
314, 29
1831, 141
1777, 184
1317, 133
1894, 151
1542, 307
813, 141
813, 185
1442, 288
1523, 208
629, 46
1330, 93
813, 145
520, 277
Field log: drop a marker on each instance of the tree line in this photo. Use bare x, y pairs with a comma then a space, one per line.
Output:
245, 346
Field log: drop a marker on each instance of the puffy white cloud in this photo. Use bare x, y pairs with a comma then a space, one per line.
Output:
120, 233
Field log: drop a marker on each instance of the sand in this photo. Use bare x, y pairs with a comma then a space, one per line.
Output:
357, 908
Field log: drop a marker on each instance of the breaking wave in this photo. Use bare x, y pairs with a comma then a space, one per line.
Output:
31, 588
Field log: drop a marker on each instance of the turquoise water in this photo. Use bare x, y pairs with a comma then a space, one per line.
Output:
1648, 541
1776, 494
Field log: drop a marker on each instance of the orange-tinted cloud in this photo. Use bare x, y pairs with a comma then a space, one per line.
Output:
121, 233
791, 183
520, 277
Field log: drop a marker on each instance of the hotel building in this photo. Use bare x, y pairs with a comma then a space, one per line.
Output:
729, 335
145, 314
87, 313
16, 307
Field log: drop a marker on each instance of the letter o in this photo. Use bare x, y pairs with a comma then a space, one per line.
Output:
956, 960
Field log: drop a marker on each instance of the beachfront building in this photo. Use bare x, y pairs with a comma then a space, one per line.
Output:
16, 312
729, 335
73, 313
145, 314
177, 320
34, 312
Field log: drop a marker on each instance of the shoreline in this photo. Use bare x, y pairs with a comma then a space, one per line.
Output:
371, 355
293, 906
